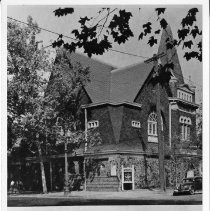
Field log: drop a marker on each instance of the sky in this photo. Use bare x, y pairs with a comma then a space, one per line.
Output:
45, 18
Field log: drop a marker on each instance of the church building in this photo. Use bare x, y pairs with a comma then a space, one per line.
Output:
121, 105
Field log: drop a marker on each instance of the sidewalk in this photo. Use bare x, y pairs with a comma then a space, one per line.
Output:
143, 193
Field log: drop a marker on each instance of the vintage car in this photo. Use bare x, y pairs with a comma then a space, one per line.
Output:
189, 185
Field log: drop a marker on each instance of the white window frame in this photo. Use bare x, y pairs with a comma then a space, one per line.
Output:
136, 124
152, 127
184, 95
92, 124
185, 123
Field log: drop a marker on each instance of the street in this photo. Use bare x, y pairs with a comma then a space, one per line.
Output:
138, 197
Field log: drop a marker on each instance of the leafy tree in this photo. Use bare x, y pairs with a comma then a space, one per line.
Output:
26, 84
111, 25
65, 91
97, 34
36, 105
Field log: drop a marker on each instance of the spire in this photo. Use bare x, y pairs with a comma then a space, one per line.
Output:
171, 54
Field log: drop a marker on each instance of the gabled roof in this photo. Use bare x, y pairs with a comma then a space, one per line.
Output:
110, 85
126, 82
99, 86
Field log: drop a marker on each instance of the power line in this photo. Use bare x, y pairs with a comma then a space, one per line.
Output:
122, 52
131, 54
41, 28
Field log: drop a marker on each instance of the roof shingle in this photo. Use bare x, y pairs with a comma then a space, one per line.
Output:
113, 85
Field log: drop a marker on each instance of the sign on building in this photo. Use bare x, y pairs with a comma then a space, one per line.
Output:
190, 173
113, 170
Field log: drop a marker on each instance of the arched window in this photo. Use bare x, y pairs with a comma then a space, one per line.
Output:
185, 123
152, 127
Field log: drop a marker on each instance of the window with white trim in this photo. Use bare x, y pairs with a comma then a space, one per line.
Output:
184, 95
185, 123
92, 124
136, 124
152, 127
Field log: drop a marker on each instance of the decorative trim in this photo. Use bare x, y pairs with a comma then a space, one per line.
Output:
183, 101
193, 113
111, 103
174, 106
184, 95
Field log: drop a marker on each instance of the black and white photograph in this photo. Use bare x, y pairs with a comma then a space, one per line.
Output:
105, 106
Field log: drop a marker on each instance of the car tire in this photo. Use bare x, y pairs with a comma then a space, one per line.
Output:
192, 192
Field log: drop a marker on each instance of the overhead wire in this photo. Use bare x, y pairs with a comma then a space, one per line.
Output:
114, 50
131, 54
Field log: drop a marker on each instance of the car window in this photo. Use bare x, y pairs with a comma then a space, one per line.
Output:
199, 180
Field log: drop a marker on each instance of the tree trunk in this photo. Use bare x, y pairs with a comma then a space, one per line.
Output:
66, 184
51, 182
44, 186
160, 142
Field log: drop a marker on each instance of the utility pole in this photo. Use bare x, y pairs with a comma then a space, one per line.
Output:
159, 130
84, 163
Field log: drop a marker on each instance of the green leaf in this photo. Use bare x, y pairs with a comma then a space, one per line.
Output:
141, 35
163, 23
152, 41
188, 44
157, 31
160, 10
65, 11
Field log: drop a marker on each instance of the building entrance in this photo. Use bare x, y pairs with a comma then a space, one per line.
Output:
128, 178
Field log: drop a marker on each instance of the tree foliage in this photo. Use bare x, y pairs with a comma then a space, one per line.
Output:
65, 89
97, 34
26, 84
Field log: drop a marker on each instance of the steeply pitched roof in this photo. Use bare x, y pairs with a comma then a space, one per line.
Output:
113, 85
171, 54
127, 81
108, 84
99, 86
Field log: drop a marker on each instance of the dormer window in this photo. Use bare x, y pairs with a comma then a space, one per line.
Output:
184, 95
136, 124
93, 124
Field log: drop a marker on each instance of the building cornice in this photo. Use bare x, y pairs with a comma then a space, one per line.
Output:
194, 105
182, 87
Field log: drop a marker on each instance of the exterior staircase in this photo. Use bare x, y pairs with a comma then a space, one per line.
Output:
103, 184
